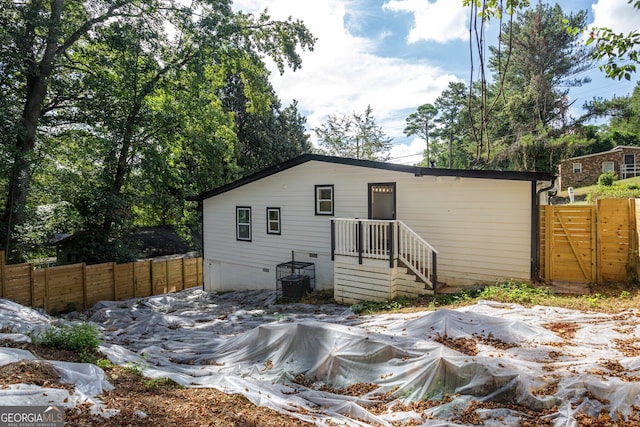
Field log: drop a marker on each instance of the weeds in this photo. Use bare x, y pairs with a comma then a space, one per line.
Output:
521, 293
104, 364
80, 338
162, 382
370, 307
605, 299
137, 368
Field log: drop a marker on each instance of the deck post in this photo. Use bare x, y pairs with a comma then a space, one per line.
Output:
434, 274
391, 245
360, 242
333, 240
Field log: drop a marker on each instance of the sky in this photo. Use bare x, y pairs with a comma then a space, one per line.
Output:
396, 55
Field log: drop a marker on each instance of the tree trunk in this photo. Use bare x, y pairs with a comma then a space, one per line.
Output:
37, 76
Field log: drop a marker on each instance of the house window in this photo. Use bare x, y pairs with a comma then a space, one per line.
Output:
243, 223
273, 220
324, 199
607, 167
577, 168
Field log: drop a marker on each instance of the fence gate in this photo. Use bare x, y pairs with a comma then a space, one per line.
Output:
587, 243
569, 243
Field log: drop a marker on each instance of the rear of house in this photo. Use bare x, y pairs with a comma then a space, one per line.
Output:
584, 170
483, 224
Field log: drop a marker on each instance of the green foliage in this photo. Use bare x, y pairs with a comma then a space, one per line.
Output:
80, 337
455, 298
594, 300
356, 136
139, 127
616, 190
369, 307
517, 292
104, 364
618, 49
607, 179
422, 123
137, 368
162, 382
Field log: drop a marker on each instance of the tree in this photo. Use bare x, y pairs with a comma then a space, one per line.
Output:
450, 104
49, 48
421, 123
534, 104
620, 50
356, 136
624, 114
265, 137
483, 103
37, 36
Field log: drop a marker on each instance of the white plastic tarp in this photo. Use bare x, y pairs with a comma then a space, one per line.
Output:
244, 343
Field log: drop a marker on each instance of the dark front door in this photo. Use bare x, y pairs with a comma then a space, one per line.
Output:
382, 201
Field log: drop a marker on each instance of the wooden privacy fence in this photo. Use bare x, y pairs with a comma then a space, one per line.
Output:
80, 286
590, 243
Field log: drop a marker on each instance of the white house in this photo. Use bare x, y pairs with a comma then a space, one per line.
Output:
372, 230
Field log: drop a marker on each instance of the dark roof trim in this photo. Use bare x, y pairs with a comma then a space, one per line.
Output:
415, 170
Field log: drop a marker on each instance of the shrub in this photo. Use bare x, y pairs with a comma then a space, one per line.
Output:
607, 179
82, 338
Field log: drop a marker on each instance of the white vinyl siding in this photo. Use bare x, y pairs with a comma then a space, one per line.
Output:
481, 227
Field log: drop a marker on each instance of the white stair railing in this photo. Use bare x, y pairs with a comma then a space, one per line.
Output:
417, 254
385, 239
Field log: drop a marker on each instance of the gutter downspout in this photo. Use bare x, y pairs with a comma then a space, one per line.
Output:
535, 227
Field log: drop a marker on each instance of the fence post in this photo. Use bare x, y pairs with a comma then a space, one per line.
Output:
45, 298
184, 274
84, 285
32, 287
3, 273
115, 282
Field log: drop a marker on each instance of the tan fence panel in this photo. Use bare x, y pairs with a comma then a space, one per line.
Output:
125, 285
191, 272
39, 280
614, 239
142, 279
159, 276
100, 283
570, 250
542, 257
18, 283
175, 273
65, 288
78, 286
590, 244
635, 234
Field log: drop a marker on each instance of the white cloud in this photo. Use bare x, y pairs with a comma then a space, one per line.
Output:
408, 154
441, 21
618, 15
343, 75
